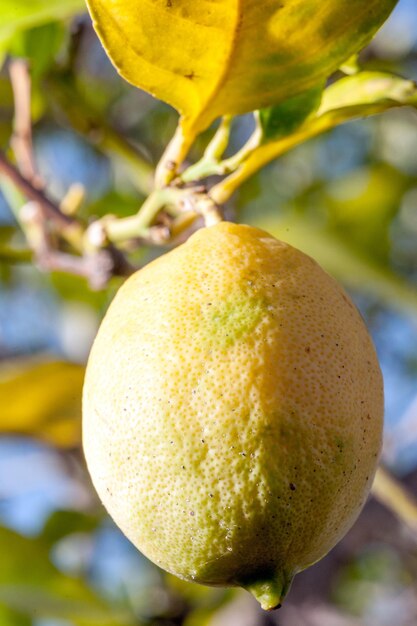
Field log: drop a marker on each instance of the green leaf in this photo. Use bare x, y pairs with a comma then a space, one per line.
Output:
361, 206
12, 256
284, 119
350, 98
12, 618
63, 523
17, 15
32, 586
210, 58
8, 253
365, 89
42, 399
39, 45
6, 233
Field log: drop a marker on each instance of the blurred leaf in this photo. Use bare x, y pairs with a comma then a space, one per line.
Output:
361, 206
31, 585
11, 618
195, 60
63, 523
378, 574
39, 45
76, 289
200, 617
9, 254
42, 399
284, 119
341, 260
115, 203
92, 123
13, 196
6, 233
15, 255
397, 498
17, 15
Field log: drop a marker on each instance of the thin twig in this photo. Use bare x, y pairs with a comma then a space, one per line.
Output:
173, 200
37, 195
21, 141
37, 217
25, 176
264, 154
175, 153
98, 267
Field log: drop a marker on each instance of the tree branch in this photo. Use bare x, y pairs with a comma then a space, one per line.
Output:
21, 141
98, 267
50, 209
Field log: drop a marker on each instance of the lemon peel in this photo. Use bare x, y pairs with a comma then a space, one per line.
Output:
233, 410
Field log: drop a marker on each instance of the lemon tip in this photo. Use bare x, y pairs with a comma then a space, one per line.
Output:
271, 592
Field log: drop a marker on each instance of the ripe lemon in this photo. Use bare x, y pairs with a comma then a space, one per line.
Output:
233, 411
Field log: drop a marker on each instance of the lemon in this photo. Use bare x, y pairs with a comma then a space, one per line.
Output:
233, 409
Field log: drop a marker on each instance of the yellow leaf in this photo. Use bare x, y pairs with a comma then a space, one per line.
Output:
43, 400
213, 57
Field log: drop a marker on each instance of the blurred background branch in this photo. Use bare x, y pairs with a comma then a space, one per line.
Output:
21, 141
395, 497
70, 105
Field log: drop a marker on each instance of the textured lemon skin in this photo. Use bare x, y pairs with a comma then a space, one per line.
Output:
233, 409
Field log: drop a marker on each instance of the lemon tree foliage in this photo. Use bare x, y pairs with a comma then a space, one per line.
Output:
350, 98
365, 89
39, 45
233, 400
284, 119
42, 399
209, 58
31, 587
9, 254
8, 617
19, 15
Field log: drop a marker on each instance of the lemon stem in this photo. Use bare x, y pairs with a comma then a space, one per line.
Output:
270, 592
